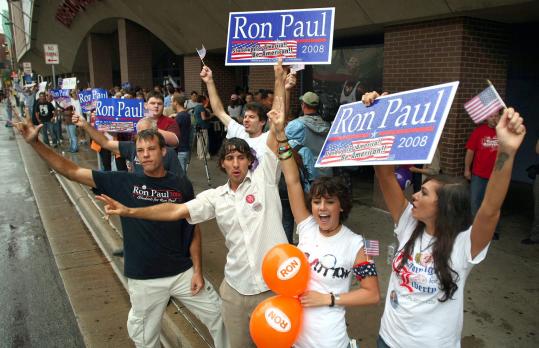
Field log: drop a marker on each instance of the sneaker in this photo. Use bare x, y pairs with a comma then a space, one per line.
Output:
529, 241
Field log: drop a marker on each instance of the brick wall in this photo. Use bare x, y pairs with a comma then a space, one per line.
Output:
191, 74
135, 54
428, 53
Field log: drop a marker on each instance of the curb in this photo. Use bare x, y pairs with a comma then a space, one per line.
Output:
177, 330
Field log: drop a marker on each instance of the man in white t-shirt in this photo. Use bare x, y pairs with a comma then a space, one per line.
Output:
254, 118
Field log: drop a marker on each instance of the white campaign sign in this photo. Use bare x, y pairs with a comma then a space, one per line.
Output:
51, 54
69, 83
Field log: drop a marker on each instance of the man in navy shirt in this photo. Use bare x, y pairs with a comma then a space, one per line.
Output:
162, 259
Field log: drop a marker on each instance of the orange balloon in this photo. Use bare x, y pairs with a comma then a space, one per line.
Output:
276, 322
286, 270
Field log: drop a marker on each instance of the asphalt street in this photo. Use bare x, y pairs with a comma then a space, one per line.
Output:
35, 311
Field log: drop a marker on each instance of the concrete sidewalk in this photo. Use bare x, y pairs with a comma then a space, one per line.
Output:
502, 292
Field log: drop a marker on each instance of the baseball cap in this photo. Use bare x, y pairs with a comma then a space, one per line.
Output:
310, 98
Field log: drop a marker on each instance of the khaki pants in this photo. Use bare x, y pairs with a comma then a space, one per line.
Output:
236, 310
149, 299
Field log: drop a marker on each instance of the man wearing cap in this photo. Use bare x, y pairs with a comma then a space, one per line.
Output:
310, 130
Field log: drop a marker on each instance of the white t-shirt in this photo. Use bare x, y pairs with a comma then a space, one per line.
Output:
413, 316
331, 259
247, 218
236, 130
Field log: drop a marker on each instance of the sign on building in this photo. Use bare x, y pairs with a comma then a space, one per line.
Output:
298, 36
401, 128
51, 54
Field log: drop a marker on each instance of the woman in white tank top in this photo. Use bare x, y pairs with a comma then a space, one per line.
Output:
336, 254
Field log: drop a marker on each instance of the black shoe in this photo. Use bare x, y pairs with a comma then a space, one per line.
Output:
496, 236
529, 241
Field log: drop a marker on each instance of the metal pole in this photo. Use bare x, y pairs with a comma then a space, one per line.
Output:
53, 77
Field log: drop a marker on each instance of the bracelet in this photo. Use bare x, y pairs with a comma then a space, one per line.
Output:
284, 148
285, 155
285, 140
332, 304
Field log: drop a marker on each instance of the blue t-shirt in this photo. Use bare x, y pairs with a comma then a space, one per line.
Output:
152, 249
204, 124
183, 119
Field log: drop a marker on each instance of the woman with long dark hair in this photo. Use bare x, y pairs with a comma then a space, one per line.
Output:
438, 246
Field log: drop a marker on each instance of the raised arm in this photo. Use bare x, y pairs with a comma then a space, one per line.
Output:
60, 164
217, 106
171, 138
290, 83
159, 212
510, 132
98, 137
284, 152
393, 196
278, 105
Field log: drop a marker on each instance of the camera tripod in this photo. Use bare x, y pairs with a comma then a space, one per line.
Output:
199, 133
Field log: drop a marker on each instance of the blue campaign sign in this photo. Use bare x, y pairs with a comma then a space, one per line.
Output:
401, 128
118, 115
88, 98
61, 97
298, 36
85, 100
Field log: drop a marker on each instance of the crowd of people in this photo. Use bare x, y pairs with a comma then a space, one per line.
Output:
272, 188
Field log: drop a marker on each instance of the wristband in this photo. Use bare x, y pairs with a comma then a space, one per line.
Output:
285, 155
332, 304
284, 148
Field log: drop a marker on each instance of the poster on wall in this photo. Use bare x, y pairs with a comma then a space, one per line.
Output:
353, 71
298, 36
400, 128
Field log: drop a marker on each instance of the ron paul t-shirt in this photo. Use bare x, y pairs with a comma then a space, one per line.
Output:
128, 149
152, 249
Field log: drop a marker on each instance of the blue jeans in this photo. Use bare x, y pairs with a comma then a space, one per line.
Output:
288, 220
73, 141
183, 157
478, 185
58, 128
380, 343
48, 127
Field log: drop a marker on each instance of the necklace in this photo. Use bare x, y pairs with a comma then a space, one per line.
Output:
419, 255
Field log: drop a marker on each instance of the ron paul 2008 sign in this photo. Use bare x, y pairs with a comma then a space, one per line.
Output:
297, 36
401, 128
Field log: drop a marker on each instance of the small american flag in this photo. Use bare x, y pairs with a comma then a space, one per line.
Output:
484, 104
201, 52
372, 247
